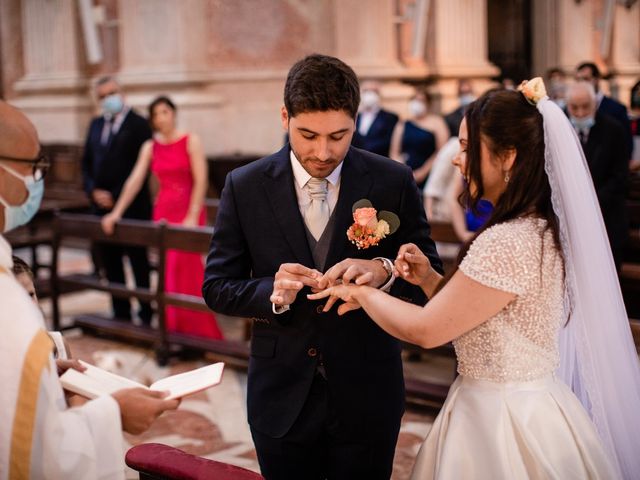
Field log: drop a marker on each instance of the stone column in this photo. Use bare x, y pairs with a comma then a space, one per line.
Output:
162, 41
366, 37
625, 50
460, 48
576, 41
53, 89
545, 33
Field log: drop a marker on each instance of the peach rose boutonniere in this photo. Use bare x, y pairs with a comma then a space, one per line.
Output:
369, 225
533, 90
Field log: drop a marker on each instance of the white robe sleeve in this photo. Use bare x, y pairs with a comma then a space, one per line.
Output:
81, 442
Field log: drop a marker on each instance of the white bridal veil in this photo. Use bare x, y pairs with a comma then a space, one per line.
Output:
598, 358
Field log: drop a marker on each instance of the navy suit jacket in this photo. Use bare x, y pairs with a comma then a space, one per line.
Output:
606, 155
258, 228
119, 159
378, 138
618, 111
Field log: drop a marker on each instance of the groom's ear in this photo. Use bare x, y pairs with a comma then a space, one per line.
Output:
284, 117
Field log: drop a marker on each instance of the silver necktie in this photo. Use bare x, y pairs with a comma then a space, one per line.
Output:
316, 216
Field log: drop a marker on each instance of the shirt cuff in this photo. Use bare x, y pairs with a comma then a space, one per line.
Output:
278, 309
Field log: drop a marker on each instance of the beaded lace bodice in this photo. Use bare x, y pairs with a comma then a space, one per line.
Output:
519, 343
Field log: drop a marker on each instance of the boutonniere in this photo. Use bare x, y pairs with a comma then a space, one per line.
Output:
370, 226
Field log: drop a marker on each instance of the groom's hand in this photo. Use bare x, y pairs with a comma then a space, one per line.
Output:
290, 279
358, 271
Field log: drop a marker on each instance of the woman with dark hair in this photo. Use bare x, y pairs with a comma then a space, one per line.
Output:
416, 140
177, 159
511, 413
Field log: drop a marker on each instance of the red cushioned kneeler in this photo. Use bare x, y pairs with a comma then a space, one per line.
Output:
157, 461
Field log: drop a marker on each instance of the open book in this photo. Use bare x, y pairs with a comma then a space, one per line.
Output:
95, 381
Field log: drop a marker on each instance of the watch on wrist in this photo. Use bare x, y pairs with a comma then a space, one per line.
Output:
388, 267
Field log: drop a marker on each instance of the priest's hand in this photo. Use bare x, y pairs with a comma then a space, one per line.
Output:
139, 407
64, 365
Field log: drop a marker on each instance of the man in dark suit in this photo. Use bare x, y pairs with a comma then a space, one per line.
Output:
605, 148
111, 150
374, 126
325, 393
589, 72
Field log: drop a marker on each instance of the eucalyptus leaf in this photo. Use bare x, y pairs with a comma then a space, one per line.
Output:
391, 218
363, 203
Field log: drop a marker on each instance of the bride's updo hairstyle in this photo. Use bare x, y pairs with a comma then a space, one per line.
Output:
505, 121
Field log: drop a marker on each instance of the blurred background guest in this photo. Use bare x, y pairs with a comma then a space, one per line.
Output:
416, 140
374, 125
604, 144
508, 83
465, 97
589, 72
635, 127
439, 182
177, 159
557, 86
111, 149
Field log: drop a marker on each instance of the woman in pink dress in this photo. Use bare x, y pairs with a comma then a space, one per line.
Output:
177, 159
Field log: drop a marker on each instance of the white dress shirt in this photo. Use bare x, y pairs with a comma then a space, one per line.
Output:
301, 177
367, 117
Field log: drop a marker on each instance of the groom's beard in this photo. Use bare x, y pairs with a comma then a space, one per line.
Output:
316, 167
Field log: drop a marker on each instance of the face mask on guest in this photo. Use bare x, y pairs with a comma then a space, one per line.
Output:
370, 99
582, 123
112, 104
417, 108
466, 99
17, 215
560, 102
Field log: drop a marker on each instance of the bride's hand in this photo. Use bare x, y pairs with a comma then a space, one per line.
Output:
344, 292
412, 265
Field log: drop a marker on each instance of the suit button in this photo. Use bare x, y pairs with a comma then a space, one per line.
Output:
312, 352
319, 308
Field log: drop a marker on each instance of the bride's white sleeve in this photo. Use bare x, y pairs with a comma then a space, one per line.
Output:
504, 257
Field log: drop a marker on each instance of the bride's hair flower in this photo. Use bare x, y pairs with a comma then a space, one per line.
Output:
533, 90
370, 226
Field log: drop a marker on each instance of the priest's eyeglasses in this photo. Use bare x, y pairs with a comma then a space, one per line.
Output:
40, 164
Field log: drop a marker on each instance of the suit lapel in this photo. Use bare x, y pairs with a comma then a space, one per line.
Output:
355, 184
280, 191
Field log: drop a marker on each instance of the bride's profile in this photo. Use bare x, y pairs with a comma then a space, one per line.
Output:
549, 379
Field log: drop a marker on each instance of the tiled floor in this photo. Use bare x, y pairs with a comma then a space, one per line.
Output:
213, 423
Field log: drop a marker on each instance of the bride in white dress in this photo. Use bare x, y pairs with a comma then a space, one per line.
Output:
533, 309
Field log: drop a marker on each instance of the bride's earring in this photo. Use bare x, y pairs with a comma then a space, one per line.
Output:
507, 177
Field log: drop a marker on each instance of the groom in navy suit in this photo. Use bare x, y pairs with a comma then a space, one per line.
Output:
325, 392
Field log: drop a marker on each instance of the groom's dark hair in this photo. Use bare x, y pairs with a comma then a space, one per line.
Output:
319, 83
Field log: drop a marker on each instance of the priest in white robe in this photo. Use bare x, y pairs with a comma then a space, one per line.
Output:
40, 436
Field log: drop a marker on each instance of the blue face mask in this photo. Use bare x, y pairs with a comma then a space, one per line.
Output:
112, 104
466, 99
583, 124
15, 216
